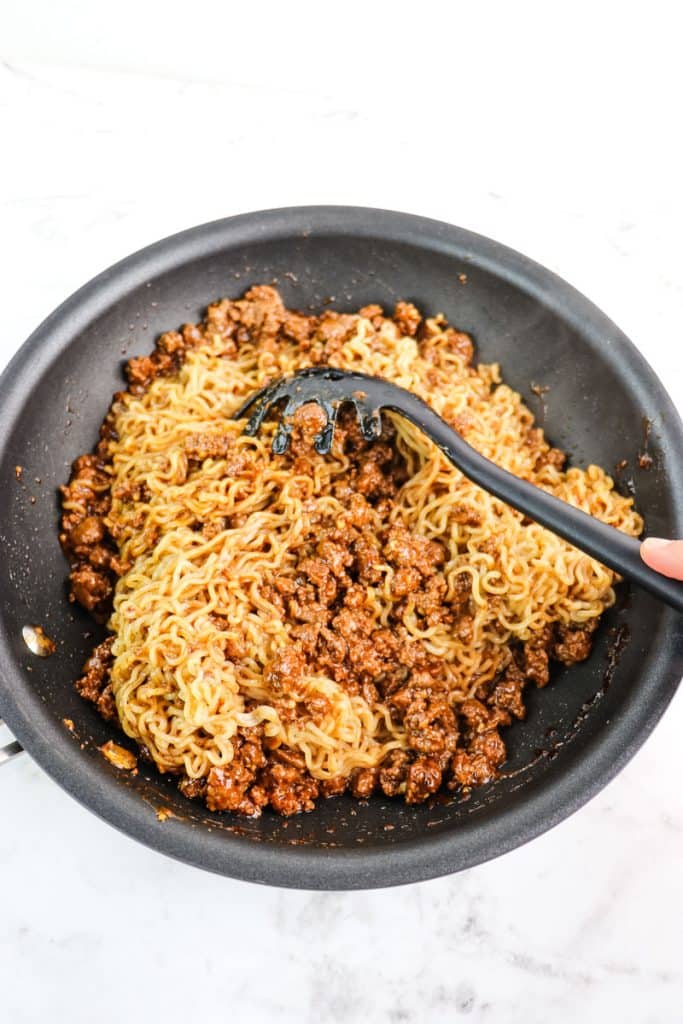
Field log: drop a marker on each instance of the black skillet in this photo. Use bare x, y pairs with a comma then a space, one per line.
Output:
603, 404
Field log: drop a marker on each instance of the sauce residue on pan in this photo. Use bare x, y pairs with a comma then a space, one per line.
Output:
645, 460
541, 390
119, 756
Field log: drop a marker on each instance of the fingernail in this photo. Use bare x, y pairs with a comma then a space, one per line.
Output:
656, 543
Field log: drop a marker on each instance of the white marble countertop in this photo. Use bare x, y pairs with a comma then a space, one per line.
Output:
564, 146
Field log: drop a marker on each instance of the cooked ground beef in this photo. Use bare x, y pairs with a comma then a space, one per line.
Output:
94, 683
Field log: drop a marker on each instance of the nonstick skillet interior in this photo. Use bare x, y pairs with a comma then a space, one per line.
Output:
579, 731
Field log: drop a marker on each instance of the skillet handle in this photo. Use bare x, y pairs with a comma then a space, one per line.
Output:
10, 750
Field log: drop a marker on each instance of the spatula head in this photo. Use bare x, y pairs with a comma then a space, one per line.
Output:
328, 388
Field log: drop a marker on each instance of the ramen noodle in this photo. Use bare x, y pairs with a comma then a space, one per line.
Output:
285, 627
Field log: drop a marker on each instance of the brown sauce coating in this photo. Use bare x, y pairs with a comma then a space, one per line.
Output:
332, 633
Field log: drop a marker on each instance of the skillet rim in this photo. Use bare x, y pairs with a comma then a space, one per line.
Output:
543, 802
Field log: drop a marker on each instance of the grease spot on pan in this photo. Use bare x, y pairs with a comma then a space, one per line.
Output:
37, 641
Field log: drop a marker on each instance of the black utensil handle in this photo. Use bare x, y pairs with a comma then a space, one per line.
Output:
605, 543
